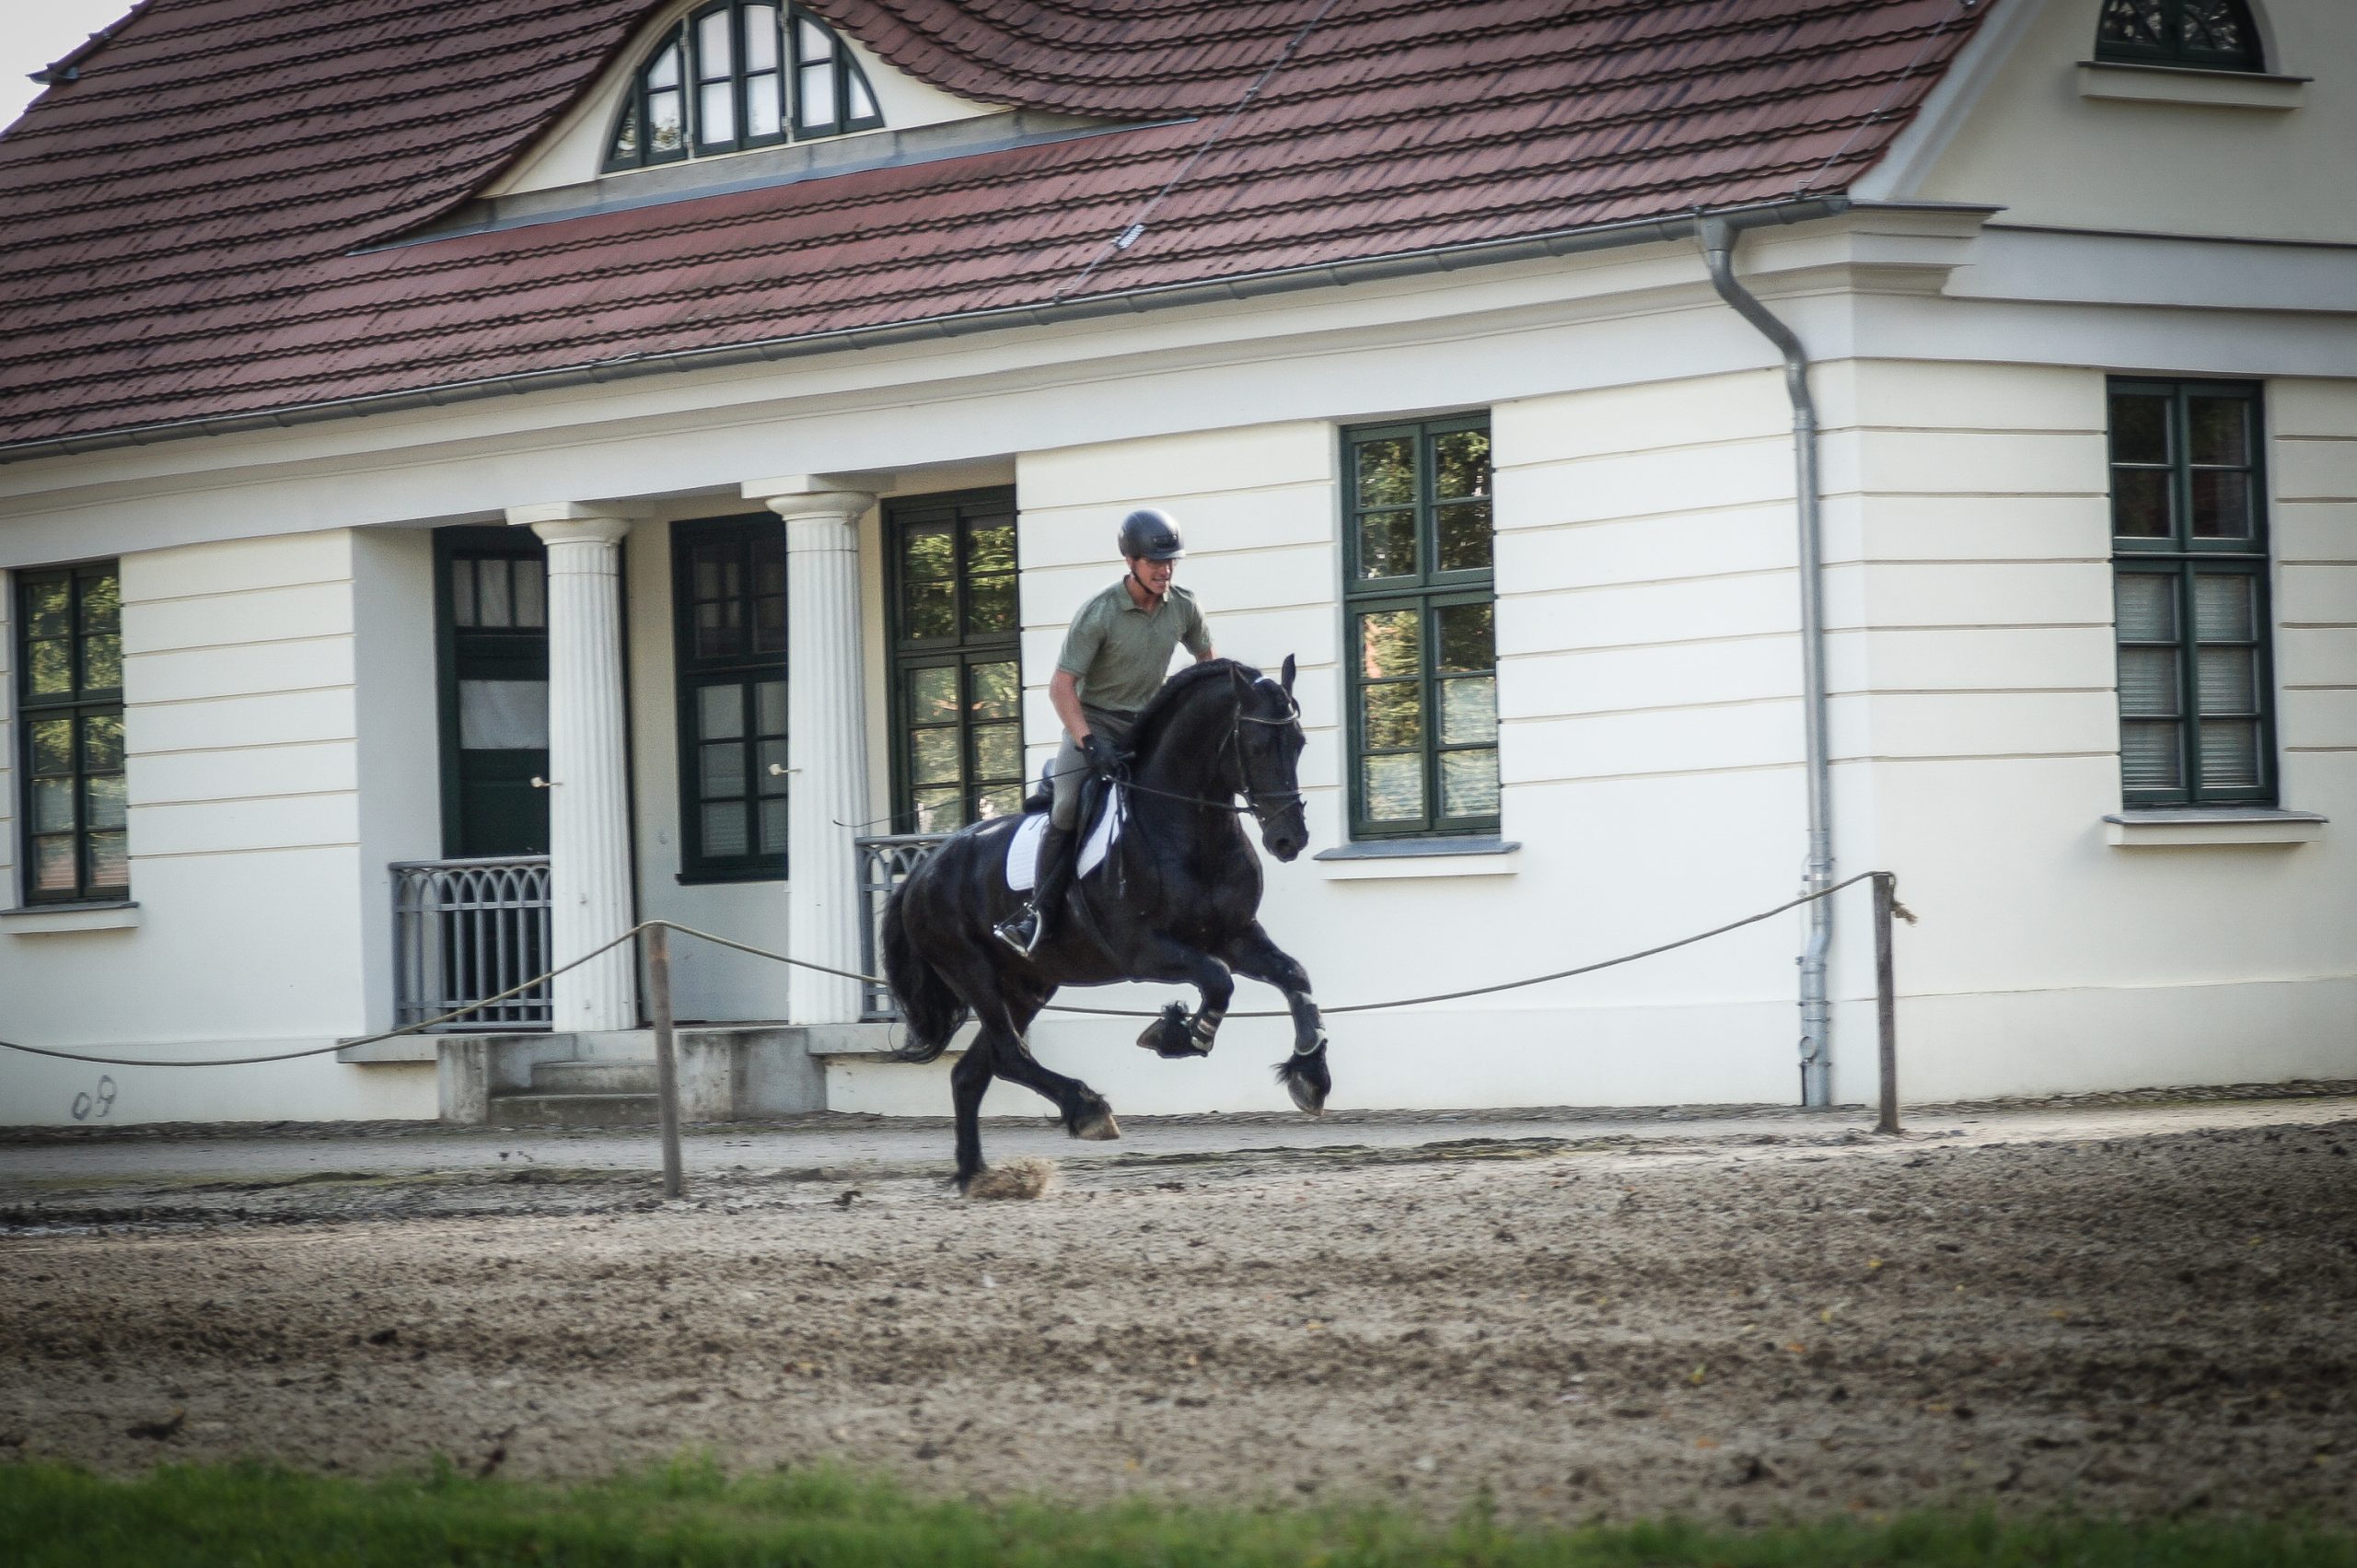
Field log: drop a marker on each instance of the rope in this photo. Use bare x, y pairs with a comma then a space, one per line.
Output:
877, 980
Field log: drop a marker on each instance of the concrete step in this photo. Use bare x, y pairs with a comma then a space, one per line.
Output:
609, 1075
573, 1110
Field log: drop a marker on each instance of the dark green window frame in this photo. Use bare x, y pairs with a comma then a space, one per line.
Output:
74, 842
737, 74
955, 632
729, 620
2206, 35
1418, 631
2190, 576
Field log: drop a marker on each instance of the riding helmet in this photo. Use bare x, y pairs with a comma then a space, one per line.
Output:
1148, 534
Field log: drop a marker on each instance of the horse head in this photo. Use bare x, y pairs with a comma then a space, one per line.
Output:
1269, 746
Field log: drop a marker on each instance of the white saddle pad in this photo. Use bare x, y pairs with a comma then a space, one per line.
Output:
1023, 850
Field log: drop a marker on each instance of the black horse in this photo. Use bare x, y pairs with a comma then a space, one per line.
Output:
1174, 901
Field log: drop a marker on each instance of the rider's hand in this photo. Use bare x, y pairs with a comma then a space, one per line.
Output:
1104, 759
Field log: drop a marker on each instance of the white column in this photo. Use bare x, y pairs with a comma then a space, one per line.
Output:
589, 885
826, 738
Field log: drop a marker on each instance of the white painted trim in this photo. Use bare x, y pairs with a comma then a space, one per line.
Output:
35, 920
2189, 828
1909, 158
1409, 865
2119, 83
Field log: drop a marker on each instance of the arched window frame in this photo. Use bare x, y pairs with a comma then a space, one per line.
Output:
715, 65
2113, 48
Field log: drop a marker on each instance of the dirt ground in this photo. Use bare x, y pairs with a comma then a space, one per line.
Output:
2145, 1310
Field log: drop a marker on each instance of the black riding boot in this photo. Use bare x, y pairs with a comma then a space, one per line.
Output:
1029, 929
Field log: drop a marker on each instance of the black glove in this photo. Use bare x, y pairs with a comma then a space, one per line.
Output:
1104, 759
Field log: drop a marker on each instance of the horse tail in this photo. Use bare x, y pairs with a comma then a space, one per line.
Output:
929, 1008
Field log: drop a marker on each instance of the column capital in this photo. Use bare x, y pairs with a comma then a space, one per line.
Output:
569, 522
843, 495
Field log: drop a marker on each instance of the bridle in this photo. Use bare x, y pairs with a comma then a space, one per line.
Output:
1291, 719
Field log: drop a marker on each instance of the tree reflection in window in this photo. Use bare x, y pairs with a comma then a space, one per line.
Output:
2214, 35
735, 75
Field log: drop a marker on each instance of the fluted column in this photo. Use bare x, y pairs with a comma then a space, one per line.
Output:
590, 886
826, 738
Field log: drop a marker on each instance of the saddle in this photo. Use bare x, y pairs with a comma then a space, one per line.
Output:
1104, 813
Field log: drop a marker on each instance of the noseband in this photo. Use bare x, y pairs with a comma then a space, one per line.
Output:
1291, 797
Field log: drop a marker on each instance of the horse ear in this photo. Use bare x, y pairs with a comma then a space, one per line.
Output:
1285, 680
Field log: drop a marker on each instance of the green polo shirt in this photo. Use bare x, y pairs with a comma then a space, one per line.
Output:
1119, 653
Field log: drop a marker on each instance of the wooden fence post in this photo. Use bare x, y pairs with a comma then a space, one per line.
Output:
1886, 888
667, 1066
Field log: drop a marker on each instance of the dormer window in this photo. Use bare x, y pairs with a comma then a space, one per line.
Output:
739, 73
2209, 35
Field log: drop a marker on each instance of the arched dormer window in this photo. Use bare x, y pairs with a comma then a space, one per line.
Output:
739, 73
2211, 35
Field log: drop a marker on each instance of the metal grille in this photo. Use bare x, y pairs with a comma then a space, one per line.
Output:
467, 929
885, 863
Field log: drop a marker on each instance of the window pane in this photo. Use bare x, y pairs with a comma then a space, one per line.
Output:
862, 103
2148, 755
2221, 504
716, 113
724, 830
998, 751
815, 42
2229, 753
721, 774
102, 663
1387, 544
2223, 607
767, 756
503, 715
933, 756
761, 38
764, 104
1003, 800
104, 801
492, 599
530, 584
667, 121
53, 865
49, 608
1461, 464
49, 666
53, 746
928, 552
928, 610
665, 71
997, 693
2140, 428
817, 108
769, 707
1387, 472
1468, 783
1390, 642
1391, 716
989, 547
54, 806
1466, 639
2145, 604
2228, 680
2140, 503
1469, 713
1463, 537
720, 712
102, 603
990, 604
938, 810
109, 861
1394, 787
2219, 430
102, 742
713, 55
626, 136
932, 695
720, 629
2148, 683
774, 827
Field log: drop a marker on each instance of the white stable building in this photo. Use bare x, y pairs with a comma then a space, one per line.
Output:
473, 478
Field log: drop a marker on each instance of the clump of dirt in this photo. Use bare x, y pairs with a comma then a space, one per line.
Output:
2140, 1321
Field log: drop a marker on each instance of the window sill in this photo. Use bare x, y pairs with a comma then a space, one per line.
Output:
41, 919
1382, 859
2188, 827
2189, 84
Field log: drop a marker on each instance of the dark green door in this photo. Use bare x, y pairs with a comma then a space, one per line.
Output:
494, 596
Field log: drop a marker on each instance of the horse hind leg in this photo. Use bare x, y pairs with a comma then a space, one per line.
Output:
1086, 1114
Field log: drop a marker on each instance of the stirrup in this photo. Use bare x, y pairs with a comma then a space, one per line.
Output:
1020, 931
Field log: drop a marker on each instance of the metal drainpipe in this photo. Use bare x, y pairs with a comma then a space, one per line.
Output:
1817, 1053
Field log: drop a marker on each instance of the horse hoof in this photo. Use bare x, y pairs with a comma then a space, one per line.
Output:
1097, 1127
1305, 1098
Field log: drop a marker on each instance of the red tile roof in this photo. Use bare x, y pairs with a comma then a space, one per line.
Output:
197, 225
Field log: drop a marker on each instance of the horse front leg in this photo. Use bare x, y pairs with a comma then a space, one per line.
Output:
968, 1083
1175, 1034
1304, 1073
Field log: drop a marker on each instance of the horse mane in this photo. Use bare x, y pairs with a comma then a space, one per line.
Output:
1175, 691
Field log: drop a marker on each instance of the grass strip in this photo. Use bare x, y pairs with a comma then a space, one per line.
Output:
691, 1513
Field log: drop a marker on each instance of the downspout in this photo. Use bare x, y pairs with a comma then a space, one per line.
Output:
1817, 1056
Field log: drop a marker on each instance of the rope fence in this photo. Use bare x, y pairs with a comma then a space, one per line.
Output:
656, 952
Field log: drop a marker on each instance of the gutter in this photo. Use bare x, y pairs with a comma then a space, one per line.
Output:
1718, 239
1250, 286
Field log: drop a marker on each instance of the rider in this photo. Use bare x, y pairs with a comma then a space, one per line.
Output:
1114, 659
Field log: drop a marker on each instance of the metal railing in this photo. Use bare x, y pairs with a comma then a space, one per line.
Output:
467, 929
884, 862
